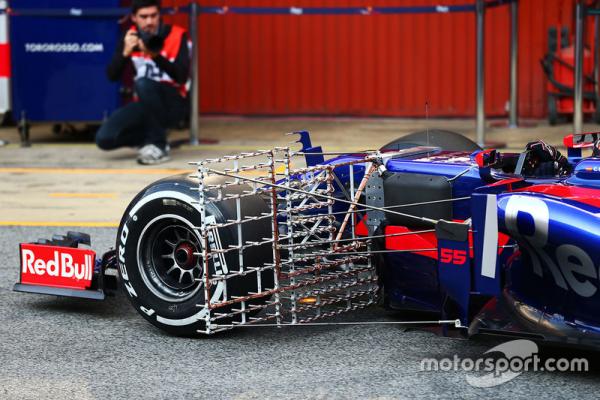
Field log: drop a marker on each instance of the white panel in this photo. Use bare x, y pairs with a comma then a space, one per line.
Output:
4, 95
490, 238
3, 24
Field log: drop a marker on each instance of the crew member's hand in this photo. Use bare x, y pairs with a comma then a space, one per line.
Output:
144, 50
130, 42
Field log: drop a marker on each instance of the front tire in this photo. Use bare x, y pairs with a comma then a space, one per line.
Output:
158, 244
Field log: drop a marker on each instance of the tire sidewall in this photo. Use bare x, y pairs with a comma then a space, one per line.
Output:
177, 197
181, 317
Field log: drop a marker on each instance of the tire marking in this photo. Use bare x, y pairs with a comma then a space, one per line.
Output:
216, 238
165, 193
182, 322
218, 289
130, 289
196, 317
147, 311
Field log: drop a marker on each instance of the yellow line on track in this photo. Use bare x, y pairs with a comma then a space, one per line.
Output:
61, 224
93, 171
217, 147
84, 195
109, 171
209, 147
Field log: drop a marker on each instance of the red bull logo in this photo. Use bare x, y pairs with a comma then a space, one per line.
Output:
57, 266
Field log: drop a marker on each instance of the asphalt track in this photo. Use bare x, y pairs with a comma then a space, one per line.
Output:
55, 348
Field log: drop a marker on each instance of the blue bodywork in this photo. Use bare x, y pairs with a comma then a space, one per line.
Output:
531, 265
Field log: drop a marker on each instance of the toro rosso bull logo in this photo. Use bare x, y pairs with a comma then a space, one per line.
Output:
557, 236
57, 266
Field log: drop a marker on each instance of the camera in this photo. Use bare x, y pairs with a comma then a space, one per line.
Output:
154, 42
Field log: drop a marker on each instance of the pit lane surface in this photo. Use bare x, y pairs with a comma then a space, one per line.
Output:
52, 348
64, 348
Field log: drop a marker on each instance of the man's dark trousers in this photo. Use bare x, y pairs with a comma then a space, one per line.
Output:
145, 121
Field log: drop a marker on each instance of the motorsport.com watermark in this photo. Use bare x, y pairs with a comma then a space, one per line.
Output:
518, 356
64, 47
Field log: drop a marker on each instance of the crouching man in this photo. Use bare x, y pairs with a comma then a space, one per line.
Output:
160, 56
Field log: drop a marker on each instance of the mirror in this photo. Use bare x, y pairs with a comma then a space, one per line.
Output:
487, 158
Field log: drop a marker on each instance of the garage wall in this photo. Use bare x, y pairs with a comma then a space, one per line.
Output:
385, 65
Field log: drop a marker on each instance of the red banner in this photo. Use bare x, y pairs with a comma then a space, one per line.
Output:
4, 60
56, 266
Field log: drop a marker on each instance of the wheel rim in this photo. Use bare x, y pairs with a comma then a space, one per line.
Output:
168, 260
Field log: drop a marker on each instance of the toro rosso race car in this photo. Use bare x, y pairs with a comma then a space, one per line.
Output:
490, 242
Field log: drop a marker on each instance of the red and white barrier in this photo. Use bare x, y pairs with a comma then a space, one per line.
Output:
4, 60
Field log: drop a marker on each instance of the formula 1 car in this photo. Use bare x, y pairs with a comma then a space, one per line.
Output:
490, 242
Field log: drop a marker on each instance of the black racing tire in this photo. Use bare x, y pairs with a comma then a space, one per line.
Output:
156, 241
447, 140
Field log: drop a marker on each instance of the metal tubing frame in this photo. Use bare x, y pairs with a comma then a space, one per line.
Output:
480, 79
513, 116
194, 89
314, 277
578, 93
344, 276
